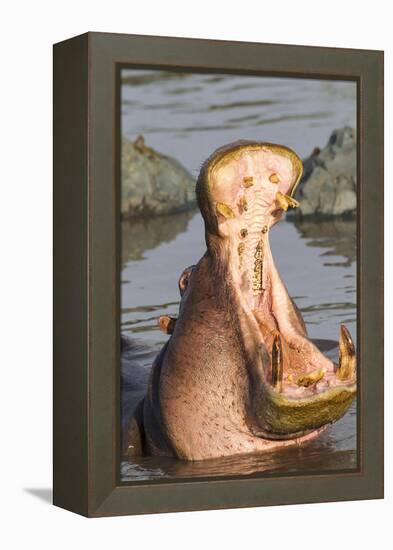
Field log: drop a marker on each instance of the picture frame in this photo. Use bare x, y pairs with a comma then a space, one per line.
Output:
86, 387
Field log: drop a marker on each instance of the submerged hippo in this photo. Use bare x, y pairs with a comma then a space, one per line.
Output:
238, 373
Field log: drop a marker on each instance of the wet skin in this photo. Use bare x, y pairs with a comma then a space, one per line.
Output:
238, 373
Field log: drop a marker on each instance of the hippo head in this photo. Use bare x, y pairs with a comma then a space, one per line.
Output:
243, 190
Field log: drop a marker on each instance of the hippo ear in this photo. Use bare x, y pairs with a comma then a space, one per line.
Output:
184, 279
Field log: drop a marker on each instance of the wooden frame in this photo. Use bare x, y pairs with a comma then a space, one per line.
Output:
86, 267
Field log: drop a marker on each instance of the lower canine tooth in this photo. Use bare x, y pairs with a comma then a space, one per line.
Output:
277, 363
347, 355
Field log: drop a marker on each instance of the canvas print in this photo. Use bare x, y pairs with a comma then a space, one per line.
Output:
238, 275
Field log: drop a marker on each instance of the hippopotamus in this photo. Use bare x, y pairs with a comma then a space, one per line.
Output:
239, 373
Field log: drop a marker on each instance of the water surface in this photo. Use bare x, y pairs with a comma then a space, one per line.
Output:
189, 115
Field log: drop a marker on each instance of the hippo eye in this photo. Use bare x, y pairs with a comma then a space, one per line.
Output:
184, 278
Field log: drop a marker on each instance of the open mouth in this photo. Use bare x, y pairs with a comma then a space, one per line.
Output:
300, 388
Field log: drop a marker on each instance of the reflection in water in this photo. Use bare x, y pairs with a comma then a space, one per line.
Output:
140, 235
339, 235
155, 253
318, 456
188, 115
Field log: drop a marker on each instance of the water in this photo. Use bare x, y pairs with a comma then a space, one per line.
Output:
316, 261
188, 116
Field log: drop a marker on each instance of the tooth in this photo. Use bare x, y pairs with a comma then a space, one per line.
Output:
225, 210
243, 204
282, 202
311, 378
167, 324
248, 181
293, 203
285, 201
257, 276
277, 363
347, 355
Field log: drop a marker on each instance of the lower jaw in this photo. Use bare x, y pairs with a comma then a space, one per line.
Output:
288, 411
281, 417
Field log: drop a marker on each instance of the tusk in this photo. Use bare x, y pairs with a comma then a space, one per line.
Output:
277, 363
311, 378
225, 210
167, 324
286, 202
347, 355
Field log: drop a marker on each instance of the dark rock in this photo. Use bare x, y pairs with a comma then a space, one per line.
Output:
328, 185
153, 184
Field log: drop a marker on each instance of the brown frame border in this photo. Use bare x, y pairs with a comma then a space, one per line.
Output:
86, 289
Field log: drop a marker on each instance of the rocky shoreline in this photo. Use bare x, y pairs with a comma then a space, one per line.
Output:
328, 186
155, 185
